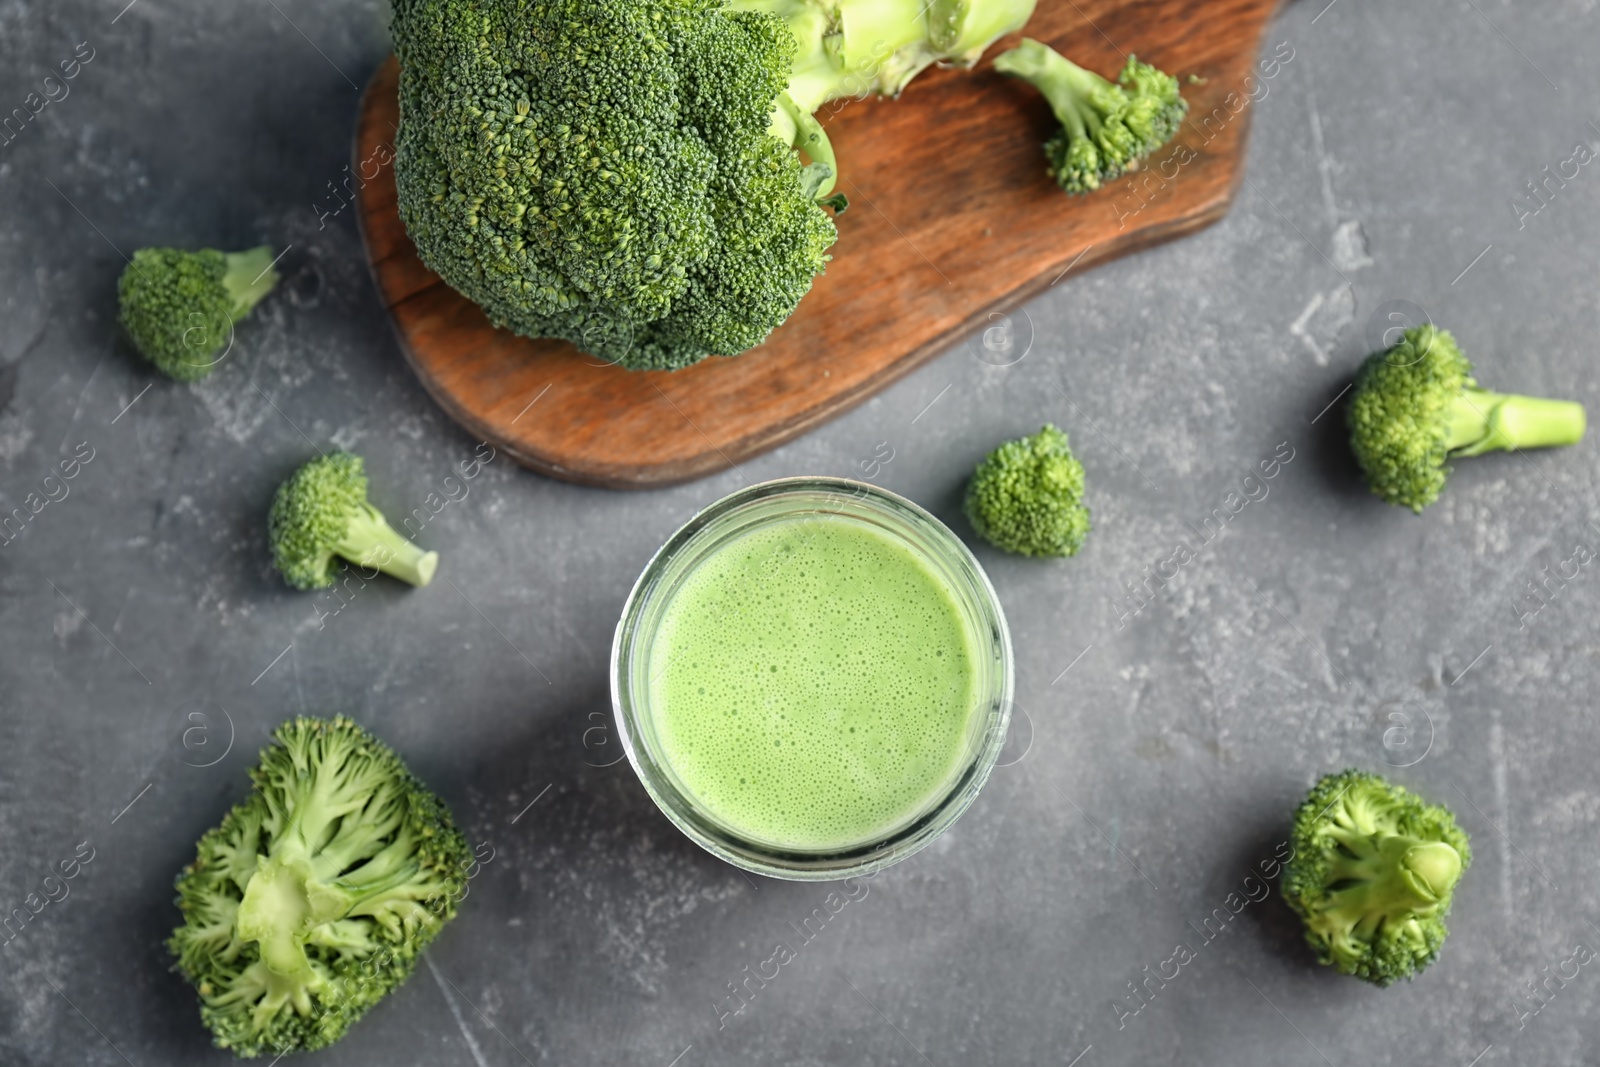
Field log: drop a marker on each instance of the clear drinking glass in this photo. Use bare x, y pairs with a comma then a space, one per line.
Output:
795, 500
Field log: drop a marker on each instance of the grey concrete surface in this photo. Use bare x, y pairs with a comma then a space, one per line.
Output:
1160, 754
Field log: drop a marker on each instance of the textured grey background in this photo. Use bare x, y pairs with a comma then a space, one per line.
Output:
1162, 766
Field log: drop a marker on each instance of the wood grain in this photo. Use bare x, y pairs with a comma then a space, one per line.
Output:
952, 219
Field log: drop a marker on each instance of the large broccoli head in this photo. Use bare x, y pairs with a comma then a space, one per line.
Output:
314, 896
1027, 497
621, 173
1416, 405
179, 307
1372, 875
601, 171
321, 514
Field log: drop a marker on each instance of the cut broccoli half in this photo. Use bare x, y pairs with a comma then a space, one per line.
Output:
313, 898
1372, 875
1107, 128
179, 307
321, 514
1026, 497
1416, 405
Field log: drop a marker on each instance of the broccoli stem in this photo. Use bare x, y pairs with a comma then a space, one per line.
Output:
249, 279
869, 31
1390, 876
370, 541
1435, 868
964, 28
1483, 421
810, 138
852, 48
1067, 87
277, 911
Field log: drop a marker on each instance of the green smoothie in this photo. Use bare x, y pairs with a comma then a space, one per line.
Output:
814, 684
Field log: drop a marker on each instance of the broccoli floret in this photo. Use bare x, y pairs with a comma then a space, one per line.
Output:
621, 174
179, 307
322, 512
1372, 874
314, 896
1027, 497
1107, 128
1416, 405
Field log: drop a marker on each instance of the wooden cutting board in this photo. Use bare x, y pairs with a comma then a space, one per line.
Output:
952, 221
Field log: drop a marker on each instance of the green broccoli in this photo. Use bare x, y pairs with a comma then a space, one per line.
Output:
314, 896
1372, 874
850, 48
179, 307
621, 174
322, 512
1416, 405
1027, 497
1107, 128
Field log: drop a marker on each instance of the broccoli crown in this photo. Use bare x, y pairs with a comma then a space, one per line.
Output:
1399, 415
310, 513
1416, 404
601, 171
314, 896
1107, 128
179, 307
321, 513
1027, 497
1372, 875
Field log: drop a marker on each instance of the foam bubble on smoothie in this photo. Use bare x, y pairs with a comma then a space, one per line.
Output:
813, 684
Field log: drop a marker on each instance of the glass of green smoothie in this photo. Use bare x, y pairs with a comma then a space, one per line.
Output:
812, 678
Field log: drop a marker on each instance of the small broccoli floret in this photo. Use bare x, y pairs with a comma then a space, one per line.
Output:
322, 512
1107, 128
1416, 405
1372, 875
179, 307
314, 896
1027, 497
622, 174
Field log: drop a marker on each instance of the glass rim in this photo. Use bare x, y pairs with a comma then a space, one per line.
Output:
980, 609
